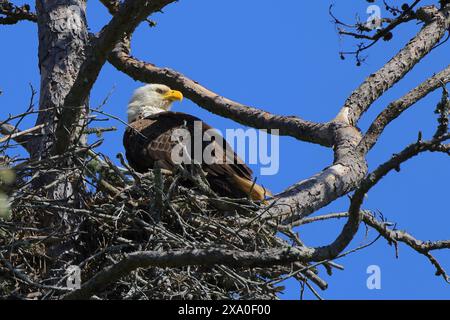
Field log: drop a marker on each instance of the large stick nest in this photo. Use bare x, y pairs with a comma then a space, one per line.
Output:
120, 212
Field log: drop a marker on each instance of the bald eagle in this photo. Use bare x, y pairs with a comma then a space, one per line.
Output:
149, 140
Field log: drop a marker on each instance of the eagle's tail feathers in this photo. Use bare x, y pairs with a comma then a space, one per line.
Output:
255, 191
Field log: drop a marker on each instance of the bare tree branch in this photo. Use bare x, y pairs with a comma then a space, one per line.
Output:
393, 71
397, 107
249, 116
383, 28
130, 14
204, 257
355, 213
391, 235
111, 5
13, 14
309, 195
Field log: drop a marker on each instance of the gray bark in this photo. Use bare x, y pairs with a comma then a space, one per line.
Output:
63, 38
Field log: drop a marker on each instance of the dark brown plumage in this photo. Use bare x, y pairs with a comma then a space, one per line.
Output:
148, 141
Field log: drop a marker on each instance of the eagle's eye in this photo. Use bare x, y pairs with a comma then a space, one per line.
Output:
160, 91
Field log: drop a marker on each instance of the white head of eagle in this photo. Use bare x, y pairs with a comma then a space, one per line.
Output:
151, 99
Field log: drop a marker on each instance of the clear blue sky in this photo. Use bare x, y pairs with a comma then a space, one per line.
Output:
282, 56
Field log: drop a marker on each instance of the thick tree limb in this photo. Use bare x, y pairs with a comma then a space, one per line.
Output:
63, 35
307, 196
393, 71
292, 126
355, 212
111, 5
249, 116
205, 257
397, 107
345, 157
130, 14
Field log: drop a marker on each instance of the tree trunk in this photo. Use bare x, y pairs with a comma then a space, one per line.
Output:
63, 41
63, 38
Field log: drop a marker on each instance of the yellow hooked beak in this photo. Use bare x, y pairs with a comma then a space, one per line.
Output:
173, 95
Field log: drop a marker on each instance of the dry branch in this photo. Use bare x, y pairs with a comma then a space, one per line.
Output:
128, 17
13, 14
211, 101
396, 108
403, 62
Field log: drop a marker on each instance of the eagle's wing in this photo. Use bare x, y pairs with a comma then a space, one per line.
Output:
148, 141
